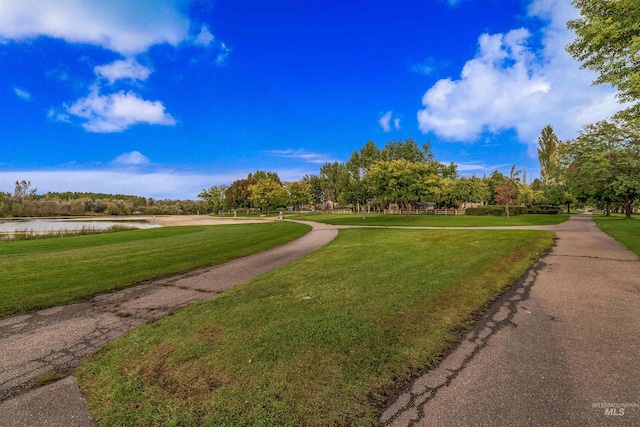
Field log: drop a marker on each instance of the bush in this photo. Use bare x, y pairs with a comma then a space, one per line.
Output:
544, 209
496, 210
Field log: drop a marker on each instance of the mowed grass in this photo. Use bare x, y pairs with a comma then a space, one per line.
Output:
431, 220
624, 230
44, 273
321, 342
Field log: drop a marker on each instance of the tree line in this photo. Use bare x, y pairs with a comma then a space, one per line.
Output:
26, 202
402, 174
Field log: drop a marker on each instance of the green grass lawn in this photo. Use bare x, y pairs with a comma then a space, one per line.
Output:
44, 273
431, 220
320, 342
625, 231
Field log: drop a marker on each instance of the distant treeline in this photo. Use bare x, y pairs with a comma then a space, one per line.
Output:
25, 202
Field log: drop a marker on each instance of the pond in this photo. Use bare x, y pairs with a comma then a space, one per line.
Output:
44, 225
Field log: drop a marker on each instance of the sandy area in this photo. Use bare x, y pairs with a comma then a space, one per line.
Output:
173, 220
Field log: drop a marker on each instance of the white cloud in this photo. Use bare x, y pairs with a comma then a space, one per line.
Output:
205, 37
315, 158
118, 111
22, 94
385, 122
123, 69
124, 26
509, 86
134, 158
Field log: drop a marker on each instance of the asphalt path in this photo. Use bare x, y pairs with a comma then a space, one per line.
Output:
560, 348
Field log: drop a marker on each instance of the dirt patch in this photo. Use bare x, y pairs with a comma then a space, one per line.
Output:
175, 220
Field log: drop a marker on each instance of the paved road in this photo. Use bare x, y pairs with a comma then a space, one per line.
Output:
561, 348
57, 339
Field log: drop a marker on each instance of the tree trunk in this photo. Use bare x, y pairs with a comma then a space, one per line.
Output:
507, 208
608, 209
568, 208
408, 206
628, 210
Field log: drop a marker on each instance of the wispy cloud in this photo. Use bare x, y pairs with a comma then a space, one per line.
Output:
467, 169
508, 85
315, 158
118, 111
387, 123
57, 116
223, 54
424, 68
204, 37
123, 69
22, 94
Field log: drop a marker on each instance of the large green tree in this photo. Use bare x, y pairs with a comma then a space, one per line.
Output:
267, 193
408, 150
608, 41
548, 154
214, 197
331, 176
299, 193
260, 174
472, 190
605, 163
401, 181
315, 184
354, 188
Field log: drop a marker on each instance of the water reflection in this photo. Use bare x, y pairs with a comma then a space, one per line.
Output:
40, 225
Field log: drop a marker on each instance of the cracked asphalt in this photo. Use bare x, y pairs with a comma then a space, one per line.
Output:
559, 348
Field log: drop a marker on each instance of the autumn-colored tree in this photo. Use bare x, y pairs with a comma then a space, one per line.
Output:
238, 195
507, 190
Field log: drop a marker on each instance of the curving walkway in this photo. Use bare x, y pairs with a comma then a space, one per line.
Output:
560, 348
59, 338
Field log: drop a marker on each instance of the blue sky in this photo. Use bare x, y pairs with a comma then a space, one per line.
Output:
161, 98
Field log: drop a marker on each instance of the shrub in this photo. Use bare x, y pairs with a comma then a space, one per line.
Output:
496, 210
544, 209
